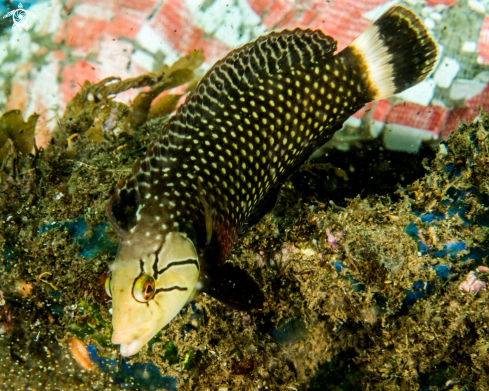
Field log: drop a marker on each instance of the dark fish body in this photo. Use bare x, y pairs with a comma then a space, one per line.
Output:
254, 119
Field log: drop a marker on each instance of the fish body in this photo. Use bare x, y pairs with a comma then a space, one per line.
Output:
216, 169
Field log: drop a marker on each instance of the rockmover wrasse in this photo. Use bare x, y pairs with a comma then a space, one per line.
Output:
218, 164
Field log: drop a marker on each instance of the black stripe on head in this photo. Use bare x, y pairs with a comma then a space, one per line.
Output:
155, 263
141, 265
189, 261
172, 288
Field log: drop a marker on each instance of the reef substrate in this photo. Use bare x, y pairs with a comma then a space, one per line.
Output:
374, 284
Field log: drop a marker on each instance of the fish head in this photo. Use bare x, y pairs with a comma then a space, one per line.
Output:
150, 282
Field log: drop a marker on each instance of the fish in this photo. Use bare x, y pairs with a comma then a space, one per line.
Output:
218, 164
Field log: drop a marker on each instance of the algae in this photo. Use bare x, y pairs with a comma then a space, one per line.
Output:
373, 283
13, 127
93, 109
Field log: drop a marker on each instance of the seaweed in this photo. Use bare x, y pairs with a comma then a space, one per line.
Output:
93, 109
13, 127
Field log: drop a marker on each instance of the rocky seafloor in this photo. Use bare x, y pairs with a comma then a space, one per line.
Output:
365, 296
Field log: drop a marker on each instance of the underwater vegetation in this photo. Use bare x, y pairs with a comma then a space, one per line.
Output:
20, 133
94, 111
369, 290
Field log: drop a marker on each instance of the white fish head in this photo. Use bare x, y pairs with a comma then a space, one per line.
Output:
150, 282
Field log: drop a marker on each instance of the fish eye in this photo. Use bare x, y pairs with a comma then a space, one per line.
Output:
144, 288
107, 285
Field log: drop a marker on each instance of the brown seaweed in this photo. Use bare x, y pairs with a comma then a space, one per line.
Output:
95, 100
13, 127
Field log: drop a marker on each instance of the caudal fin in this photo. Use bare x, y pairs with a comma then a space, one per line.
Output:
397, 51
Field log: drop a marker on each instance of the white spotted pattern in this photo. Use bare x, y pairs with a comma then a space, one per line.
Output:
254, 118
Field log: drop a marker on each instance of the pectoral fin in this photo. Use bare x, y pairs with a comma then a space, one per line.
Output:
234, 287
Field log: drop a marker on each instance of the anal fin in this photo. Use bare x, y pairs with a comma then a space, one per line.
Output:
235, 287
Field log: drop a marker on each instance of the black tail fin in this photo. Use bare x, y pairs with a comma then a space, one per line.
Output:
397, 51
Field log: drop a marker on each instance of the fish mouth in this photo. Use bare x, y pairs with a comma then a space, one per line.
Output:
131, 348
132, 342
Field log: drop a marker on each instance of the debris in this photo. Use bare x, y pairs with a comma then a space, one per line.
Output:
40, 278
472, 284
80, 354
23, 288
332, 239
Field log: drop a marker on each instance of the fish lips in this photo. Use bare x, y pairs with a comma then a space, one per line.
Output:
133, 340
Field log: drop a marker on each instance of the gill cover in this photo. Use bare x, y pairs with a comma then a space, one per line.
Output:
150, 282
